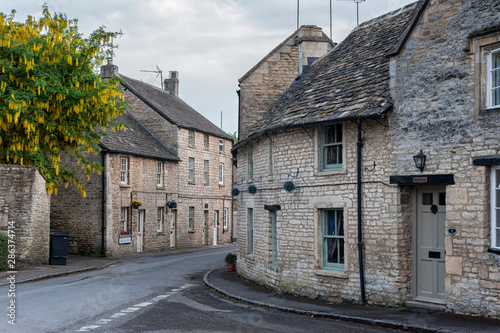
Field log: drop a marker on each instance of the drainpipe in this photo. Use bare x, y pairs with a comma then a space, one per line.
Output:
360, 237
103, 223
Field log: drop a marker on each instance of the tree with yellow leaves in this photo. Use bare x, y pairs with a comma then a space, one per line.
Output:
51, 97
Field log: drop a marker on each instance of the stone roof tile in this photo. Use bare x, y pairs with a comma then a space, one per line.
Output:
171, 107
135, 140
351, 81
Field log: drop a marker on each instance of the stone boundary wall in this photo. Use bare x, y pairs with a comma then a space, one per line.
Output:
24, 201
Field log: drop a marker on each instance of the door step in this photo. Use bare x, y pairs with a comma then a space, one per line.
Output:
424, 306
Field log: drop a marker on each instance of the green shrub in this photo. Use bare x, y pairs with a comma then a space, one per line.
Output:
4, 250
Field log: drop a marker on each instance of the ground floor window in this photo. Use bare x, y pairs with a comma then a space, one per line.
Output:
250, 230
274, 239
224, 219
495, 207
159, 219
191, 219
124, 220
333, 238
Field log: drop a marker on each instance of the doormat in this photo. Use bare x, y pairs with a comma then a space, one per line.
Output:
420, 310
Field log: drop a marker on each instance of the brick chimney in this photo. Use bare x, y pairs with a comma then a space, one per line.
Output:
313, 44
108, 70
172, 84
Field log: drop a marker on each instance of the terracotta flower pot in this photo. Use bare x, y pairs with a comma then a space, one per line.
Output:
230, 267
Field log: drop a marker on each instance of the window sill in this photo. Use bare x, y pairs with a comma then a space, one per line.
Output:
160, 233
191, 231
495, 251
273, 266
125, 185
330, 273
325, 173
191, 183
221, 185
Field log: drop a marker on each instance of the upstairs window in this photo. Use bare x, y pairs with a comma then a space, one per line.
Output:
250, 162
159, 174
221, 145
332, 147
205, 172
206, 141
495, 207
221, 173
191, 138
124, 175
191, 170
494, 79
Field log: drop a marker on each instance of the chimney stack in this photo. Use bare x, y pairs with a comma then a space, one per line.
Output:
108, 70
313, 44
172, 84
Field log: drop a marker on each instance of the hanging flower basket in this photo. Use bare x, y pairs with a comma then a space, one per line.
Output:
252, 189
135, 204
289, 186
235, 191
171, 204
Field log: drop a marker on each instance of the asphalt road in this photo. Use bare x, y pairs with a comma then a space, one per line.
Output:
149, 293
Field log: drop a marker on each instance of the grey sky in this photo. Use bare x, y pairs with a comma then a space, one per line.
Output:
211, 43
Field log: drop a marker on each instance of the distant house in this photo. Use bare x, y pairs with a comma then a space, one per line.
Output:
364, 222
170, 153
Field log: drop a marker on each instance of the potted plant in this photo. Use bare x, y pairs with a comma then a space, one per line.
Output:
289, 186
252, 189
235, 191
135, 204
171, 204
230, 261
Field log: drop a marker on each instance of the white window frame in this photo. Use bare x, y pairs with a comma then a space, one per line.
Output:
190, 138
325, 146
224, 218
160, 218
495, 207
206, 170
206, 141
159, 174
490, 87
124, 171
221, 173
191, 218
191, 170
250, 162
221, 145
124, 219
325, 237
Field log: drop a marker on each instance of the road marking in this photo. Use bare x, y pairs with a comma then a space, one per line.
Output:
88, 328
143, 304
136, 307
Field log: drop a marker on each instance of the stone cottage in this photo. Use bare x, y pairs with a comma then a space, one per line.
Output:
137, 167
376, 173
172, 153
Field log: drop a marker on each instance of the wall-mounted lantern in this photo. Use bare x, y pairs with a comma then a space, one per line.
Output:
419, 160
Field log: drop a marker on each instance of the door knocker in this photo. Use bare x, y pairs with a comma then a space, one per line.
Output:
434, 209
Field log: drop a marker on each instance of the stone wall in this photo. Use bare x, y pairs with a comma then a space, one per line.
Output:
264, 84
77, 216
436, 81
387, 236
25, 204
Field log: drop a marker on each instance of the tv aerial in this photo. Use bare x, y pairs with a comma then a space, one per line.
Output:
357, 8
158, 72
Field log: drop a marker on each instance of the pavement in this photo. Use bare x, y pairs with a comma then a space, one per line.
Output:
231, 285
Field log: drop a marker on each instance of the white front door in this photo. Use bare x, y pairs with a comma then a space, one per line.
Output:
140, 229
173, 223
216, 221
431, 255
